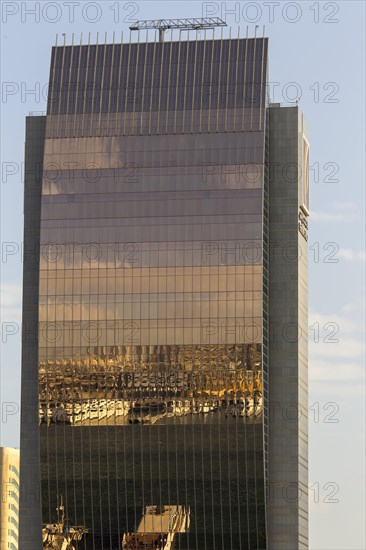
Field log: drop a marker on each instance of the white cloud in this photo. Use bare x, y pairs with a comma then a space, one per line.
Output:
349, 320
323, 390
352, 255
329, 217
324, 371
338, 212
342, 361
355, 307
344, 206
11, 302
343, 349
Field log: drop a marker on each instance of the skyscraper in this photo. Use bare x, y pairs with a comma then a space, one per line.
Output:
165, 306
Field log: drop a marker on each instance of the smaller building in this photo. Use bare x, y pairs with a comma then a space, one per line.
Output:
9, 505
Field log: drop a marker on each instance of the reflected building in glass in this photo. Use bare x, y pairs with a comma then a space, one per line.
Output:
166, 206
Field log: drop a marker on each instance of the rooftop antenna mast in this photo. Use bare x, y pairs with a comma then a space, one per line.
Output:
183, 24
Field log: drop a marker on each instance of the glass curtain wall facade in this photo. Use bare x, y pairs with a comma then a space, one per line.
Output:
152, 370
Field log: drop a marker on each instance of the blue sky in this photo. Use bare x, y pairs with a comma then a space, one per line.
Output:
316, 52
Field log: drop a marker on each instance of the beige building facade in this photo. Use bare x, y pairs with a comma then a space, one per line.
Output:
9, 507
